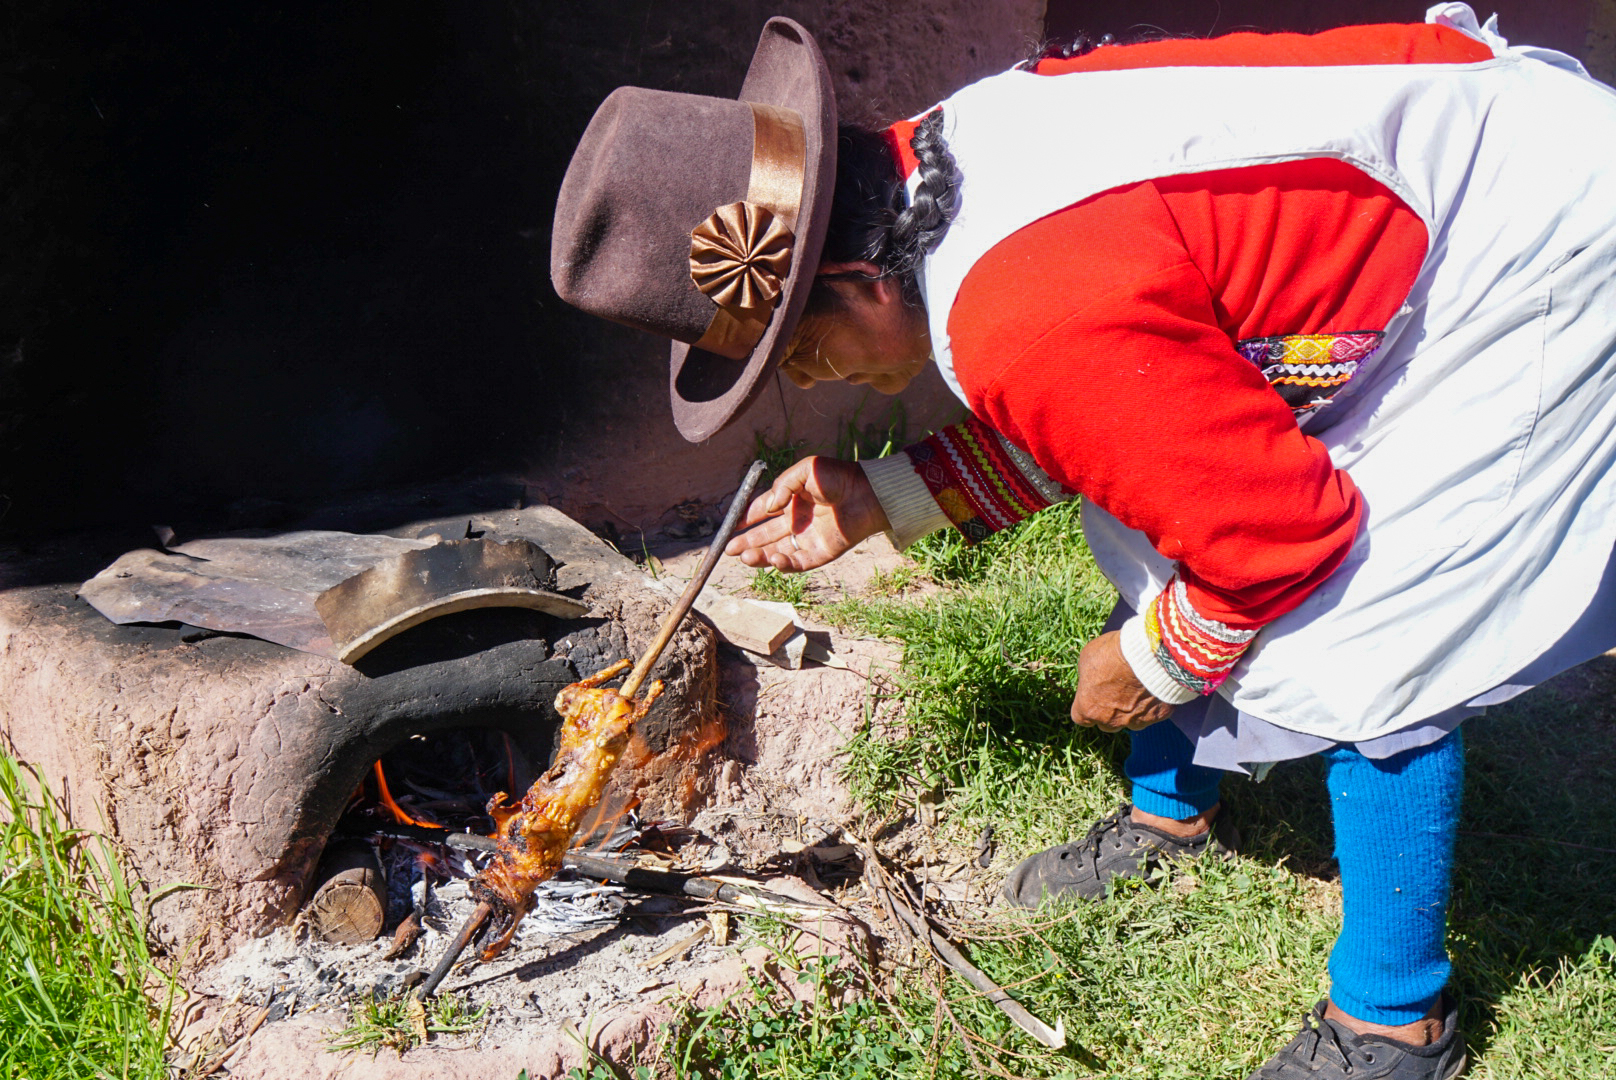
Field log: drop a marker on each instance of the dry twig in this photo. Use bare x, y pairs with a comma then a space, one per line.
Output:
218, 1062
909, 914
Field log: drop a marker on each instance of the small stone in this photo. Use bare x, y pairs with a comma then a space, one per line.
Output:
570, 999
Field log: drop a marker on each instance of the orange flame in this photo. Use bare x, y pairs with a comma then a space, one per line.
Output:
510, 763
392, 806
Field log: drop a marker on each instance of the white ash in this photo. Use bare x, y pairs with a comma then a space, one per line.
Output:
542, 975
571, 907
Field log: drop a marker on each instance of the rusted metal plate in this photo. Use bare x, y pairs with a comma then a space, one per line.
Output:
267, 586
458, 575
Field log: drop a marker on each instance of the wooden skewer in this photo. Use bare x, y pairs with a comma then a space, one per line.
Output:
670, 625
631, 686
468, 930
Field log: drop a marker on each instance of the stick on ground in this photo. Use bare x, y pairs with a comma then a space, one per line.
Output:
938, 944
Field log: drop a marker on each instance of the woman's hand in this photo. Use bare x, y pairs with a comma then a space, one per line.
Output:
817, 510
1109, 695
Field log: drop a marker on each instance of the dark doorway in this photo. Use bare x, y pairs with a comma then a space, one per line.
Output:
259, 252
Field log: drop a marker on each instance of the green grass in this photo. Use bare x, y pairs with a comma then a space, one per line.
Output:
77, 981
894, 582
377, 1023
1206, 977
989, 668
765, 1032
1533, 930
856, 441
770, 584
776, 457
855, 438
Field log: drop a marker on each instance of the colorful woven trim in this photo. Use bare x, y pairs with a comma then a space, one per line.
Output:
1196, 651
1309, 369
983, 483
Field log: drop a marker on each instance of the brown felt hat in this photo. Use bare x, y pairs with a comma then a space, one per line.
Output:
702, 219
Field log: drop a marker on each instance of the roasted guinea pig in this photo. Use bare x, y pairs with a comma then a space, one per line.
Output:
535, 833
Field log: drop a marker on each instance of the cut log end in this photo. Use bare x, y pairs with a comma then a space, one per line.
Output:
350, 904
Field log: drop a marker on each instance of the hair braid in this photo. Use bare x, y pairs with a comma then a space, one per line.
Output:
1080, 45
872, 221
922, 224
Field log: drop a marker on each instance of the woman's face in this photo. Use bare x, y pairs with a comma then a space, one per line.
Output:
871, 337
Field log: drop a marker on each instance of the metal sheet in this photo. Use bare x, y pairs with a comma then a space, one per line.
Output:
415, 586
262, 586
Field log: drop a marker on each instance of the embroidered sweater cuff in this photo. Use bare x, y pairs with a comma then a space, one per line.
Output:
1136, 649
912, 511
1194, 651
981, 480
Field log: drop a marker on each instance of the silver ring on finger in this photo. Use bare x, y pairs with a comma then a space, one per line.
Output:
794, 545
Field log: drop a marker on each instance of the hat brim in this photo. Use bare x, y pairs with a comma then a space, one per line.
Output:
709, 391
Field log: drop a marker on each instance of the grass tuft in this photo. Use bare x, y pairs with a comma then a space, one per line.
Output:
75, 969
402, 1022
894, 582
876, 439
765, 1031
990, 665
770, 584
776, 457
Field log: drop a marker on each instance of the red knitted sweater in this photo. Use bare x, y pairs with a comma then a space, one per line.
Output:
1153, 346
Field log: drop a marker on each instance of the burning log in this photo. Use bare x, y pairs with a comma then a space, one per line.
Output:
350, 904
534, 836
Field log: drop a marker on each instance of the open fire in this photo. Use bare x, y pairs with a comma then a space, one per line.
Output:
420, 820
530, 837
533, 835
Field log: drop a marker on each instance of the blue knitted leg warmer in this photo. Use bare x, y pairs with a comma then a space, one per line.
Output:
1395, 821
1165, 783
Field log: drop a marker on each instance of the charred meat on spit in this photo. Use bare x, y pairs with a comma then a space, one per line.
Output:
535, 833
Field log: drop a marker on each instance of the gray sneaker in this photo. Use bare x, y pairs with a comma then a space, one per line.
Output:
1325, 1050
1115, 847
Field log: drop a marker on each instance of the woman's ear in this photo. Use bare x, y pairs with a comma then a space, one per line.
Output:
886, 291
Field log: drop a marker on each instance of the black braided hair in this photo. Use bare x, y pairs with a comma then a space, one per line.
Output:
926, 219
870, 218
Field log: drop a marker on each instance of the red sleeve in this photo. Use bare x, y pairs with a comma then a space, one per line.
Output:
1141, 404
1382, 43
1103, 340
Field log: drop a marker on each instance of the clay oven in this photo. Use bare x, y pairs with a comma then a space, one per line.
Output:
223, 762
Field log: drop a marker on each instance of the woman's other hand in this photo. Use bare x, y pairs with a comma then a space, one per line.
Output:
1109, 695
817, 510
